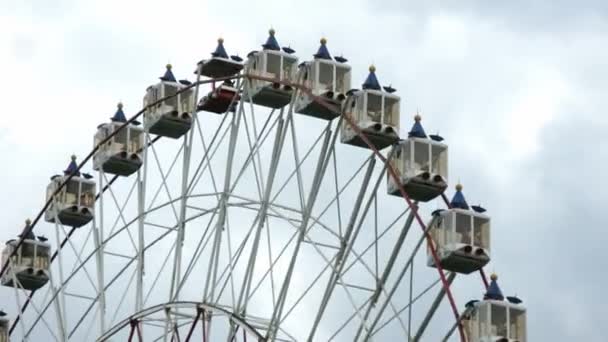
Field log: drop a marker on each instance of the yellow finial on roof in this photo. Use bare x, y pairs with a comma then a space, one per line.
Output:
372, 68
271, 31
220, 40
119, 105
73, 157
28, 222
459, 187
494, 276
169, 66
323, 41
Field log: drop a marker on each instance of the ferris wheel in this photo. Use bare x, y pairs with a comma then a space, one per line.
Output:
268, 200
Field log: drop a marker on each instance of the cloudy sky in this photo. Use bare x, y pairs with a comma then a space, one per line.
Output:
517, 87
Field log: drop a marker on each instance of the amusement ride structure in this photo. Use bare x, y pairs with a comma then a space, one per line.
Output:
280, 204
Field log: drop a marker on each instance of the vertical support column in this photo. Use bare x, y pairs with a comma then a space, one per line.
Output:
433, 308
323, 162
142, 176
98, 222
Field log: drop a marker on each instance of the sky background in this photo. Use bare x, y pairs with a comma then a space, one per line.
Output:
517, 88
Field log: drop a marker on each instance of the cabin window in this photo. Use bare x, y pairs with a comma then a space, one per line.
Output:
186, 101
170, 90
120, 140
391, 111
374, 107
289, 63
463, 228
498, 320
342, 79
71, 192
27, 255
439, 161
483, 314
273, 66
42, 257
421, 157
517, 326
481, 232
326, 77
87, 196
136, 140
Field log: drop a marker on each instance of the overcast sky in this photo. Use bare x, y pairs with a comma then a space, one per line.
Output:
518, 88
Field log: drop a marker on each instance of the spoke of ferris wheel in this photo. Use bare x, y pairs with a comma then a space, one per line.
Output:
206, 158
123, 297
89, 330
142, 177
164, 177
389, 267
464, 314
159, 273
346, 244
309, 151
18, 287
335, 165
61, 315
214, 259
188, 138
318, 176
258, 144
433, 308
164, 180
98, 221
120, 209
78, 255
397, 282
256, 164
53, 298
261, 217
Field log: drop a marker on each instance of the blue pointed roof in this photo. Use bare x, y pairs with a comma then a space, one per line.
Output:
219, 50
72, 167
28, 235
168, 76
119, 116
494, 291
417, 131
371, 82
323, 53
271, 42
458, 201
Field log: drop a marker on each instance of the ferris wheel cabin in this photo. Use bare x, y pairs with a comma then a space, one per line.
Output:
461, 236
375, 111
121, 155
422, 165
223, 98
4, 327
28, 267
275, 66
172, 117
495, 320
326, 77
220, 64
74, 205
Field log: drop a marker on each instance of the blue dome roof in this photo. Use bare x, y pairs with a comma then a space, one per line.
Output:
219, 50
119, 116
494, 291
371, 82
323, 53
417, 131
271, 42
72, 168
458, 201
168, 76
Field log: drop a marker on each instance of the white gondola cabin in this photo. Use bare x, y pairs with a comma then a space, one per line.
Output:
422, 165
74, 204
494, 319
222, 99
122, 154
220, 64
29, 265
325, 77
4, 327
375, 112
275, 66
461, 237
172, 117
